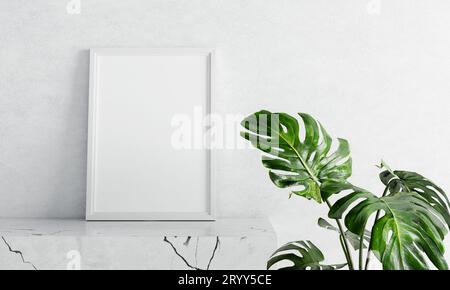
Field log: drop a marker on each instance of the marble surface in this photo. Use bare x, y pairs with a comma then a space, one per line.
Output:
75, 244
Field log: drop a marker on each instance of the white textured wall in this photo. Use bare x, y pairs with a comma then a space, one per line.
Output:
379, 79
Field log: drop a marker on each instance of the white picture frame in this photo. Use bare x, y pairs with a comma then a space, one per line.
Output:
119, 176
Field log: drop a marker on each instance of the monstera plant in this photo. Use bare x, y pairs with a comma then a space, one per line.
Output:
404, 226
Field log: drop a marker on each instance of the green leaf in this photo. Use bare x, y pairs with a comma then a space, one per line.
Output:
406, 181
303, 254
353, 239
323, 223
410, 232
307, 163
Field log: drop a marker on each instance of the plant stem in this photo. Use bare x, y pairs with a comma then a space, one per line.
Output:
361, 250
346, 254
346, 247
369, 250
344, 242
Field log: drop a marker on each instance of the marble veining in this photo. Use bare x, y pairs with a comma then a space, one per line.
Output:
75, 244
196, 252
18, 253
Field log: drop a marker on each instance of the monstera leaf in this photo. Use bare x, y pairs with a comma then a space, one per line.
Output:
406, 181
294, 162
410, 232
303, 254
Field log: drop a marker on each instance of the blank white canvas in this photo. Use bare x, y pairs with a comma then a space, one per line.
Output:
134, 172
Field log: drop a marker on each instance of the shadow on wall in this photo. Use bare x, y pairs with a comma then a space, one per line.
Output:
70, 183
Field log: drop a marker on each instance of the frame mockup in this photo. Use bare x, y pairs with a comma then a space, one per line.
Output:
136, 97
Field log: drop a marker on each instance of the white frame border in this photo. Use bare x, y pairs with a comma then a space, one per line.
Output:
91, 214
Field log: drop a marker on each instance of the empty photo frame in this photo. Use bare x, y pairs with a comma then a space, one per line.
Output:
134, 172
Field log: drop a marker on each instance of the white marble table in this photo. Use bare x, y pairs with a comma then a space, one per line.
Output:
77, 244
